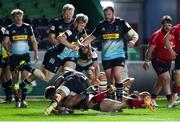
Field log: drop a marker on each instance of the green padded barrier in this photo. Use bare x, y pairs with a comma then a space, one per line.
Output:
92, 8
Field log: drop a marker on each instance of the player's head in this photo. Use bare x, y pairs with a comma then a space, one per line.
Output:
17, 15
166, 22
86, 48
49, 92
109, 14
68, 12
80, 22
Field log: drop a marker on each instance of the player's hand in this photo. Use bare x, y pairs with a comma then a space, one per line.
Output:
51, 107
146, 65
74, 47
131, 44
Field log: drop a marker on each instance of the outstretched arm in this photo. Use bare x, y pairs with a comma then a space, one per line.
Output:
88, 39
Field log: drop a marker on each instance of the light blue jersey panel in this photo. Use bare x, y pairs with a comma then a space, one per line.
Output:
68, 53
19, 47
112, 49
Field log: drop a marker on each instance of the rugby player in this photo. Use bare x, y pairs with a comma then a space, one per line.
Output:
175, 54
5, 73
17, 36
158, 54
112, 33
59, 25
58, 55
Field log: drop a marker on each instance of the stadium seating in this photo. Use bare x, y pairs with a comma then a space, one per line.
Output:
34, 9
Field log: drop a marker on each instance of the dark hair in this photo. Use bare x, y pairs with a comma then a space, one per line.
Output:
109, 8
166, 19
49, 92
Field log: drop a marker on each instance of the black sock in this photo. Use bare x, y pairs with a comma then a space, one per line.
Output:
16, 96
24, 83
8, 90
23, 94
119, 91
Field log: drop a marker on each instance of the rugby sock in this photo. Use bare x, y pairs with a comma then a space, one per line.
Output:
16, 96
110, 96
23, 88
169, 97
23, 83
8, 90
153, 96
23, 94
119, 91
176, 89
99, 97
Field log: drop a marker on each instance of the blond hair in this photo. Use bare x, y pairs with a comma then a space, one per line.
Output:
67, 7
81, 18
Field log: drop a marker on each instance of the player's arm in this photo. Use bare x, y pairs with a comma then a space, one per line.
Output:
35, 47
62, 38
6, 43
148, 56
88, 39
95, 62
168, 45
133, 36
52, 39
97, 69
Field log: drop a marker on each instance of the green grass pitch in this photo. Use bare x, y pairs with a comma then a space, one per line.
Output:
34, 112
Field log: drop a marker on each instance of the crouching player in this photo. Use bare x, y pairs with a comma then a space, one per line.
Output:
97, 102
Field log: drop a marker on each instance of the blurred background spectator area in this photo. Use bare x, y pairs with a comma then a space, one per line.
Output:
38, 13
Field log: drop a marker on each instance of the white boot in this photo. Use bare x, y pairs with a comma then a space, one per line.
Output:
154, 103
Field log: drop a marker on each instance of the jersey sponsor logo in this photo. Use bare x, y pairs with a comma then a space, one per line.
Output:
111, 36
20, 37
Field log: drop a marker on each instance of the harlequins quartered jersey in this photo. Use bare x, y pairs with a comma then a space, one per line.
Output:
58, 26
19, 37
112, 37
72, 36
